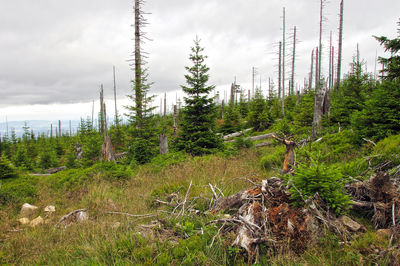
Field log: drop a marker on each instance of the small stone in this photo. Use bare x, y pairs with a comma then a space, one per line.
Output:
227, 216
50, 208
24, 221
37, 221
28, 210
349, 223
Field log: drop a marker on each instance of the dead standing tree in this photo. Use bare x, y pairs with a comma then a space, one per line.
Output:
339, 62
319, 93
293, 61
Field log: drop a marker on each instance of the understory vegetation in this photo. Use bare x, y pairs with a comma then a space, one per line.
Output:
148, 208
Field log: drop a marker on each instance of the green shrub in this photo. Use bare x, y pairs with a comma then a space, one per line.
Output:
171, 158
274, 159
6, 169
388, 149
353, 168
112, 170
337, 146
241, 142
317, 177
18, 190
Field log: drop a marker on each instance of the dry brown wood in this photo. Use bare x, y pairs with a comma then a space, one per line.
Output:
133, 215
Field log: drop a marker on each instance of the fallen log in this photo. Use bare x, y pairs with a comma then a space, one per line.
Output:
55, 170
236, 134
256, 138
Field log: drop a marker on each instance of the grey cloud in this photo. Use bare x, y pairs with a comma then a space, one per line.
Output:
60, 51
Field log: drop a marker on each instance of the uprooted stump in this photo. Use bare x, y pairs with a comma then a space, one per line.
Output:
265, 214
381, 197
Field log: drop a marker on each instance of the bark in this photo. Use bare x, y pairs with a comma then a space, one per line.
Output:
339, 62
163, 144
293, 60
175, 117
289, 154
138, 65
280, 71
55, 170
107, 150
115, 98
310, 81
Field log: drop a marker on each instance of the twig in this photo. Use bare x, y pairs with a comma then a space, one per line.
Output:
184, 201
219, 230
213, 191
369, 141
393, 215
133, 215
165, 203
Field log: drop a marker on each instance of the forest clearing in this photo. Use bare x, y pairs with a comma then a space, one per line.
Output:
296, 175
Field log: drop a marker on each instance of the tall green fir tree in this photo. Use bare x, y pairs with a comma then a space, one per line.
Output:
392, 63
259, 118
198, 134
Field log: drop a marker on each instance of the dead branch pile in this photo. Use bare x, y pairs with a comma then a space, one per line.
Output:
265, 214
379, 196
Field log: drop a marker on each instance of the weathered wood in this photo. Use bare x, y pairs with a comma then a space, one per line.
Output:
78, 151
55, 170
107, 150
289, 154
163, 143
236, 134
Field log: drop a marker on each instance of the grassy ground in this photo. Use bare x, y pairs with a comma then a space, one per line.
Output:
118, 240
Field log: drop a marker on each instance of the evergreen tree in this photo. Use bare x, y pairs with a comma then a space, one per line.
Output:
392, 64
6, 169
351, 96
381, 115
259, 117
198, 136
231, 119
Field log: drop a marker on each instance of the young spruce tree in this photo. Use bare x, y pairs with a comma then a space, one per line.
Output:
198, 134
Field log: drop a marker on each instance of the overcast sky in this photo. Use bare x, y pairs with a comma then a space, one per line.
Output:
55, 54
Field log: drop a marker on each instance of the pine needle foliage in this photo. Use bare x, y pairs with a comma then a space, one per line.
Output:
198, 134
317, 177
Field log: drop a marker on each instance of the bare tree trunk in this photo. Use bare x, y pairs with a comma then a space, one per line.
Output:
283, 59
280, 71
115, 98
330, 61
316, 69
318, 85
252, 87
339, 62
163, 143
311, 71
333, 67
165, 105
175, 121
51, 130
289, 154
138, 66
232, 101
59, 128
293, 60
223, 109
101, 117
